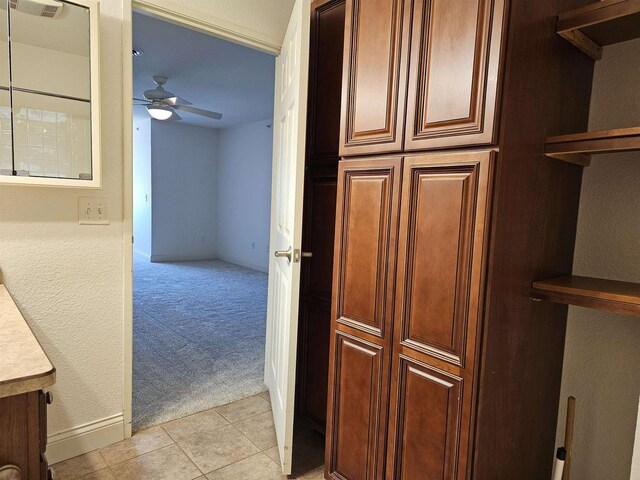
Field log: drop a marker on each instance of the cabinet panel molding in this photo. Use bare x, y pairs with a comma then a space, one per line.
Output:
428, 422
441, 214
453, 75
441, 252
368, 197
358, 401
374, 84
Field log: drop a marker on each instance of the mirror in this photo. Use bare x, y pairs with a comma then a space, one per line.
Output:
51, 101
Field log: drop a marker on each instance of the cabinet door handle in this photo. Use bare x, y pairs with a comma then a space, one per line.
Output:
48, 396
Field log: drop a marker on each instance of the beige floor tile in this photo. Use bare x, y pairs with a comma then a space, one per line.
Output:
105, 474
195, 424
167, 463
259, 429
79, 466
266, 396
142, 442
273, 454
257, 467
247, 407
218, 448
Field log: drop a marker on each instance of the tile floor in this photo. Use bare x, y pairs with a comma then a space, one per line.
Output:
235, 441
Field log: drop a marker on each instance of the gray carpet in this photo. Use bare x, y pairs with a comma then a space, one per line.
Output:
198, 337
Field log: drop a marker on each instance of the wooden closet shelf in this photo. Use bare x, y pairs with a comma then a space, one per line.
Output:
601, 23
598, 293
576, 148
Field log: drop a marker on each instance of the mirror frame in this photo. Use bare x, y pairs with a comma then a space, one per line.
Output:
96, 149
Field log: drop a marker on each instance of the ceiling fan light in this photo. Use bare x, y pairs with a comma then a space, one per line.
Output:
159, 112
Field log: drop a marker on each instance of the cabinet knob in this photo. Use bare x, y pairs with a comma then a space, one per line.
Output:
48, 396
10, 472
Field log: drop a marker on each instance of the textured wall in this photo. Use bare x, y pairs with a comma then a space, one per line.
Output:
67, 278
184, 178
267, 17
244, 193
602, 354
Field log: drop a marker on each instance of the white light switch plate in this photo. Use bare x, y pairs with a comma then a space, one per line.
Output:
93, 211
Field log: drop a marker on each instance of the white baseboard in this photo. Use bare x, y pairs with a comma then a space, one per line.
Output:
181, 257
243, 262
85, 438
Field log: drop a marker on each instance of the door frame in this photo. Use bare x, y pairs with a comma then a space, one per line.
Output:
187, 18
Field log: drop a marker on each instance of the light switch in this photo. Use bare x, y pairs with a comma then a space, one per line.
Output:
93, 211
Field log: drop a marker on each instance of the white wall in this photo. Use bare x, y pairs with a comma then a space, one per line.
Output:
184, 191
67, 279
602, 354
142, 187
244, 194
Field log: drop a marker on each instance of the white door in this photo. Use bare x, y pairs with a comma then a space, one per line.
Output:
290, 113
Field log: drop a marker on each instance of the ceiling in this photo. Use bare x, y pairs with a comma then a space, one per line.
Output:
211, 73
68, 32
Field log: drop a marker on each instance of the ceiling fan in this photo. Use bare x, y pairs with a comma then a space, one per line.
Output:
162, 104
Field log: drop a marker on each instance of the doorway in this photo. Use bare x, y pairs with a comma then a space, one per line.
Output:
290, 106
201, 197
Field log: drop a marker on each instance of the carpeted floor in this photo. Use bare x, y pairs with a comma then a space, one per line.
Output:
198, 337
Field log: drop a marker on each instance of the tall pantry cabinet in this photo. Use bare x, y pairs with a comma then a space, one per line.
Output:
441, 365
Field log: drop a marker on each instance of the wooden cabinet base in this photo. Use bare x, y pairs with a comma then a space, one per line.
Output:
23, 434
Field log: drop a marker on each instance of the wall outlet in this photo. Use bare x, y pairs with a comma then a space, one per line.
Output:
93, 211
253, 245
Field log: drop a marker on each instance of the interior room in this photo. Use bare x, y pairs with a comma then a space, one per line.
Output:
319, 239
201, 196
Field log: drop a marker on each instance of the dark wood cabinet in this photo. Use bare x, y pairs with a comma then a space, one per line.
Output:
23, 433
359, 396
374, 90
441, 365
453, 77
362, 316
441, 250
321, 178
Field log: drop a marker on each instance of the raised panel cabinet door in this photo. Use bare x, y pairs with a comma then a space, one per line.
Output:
374, 76
359, 400
362, 318
325, 81
442, 249
365, 245
428, 422
453, 77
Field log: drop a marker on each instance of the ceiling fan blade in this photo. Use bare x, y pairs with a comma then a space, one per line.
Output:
176, 100
141, 100
199, 111
175, 117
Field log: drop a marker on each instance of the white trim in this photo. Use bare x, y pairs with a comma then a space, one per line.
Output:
207, 24
182, 257
243, 263
85, 438
127, 214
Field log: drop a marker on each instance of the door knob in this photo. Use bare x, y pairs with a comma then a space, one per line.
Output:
284, 253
